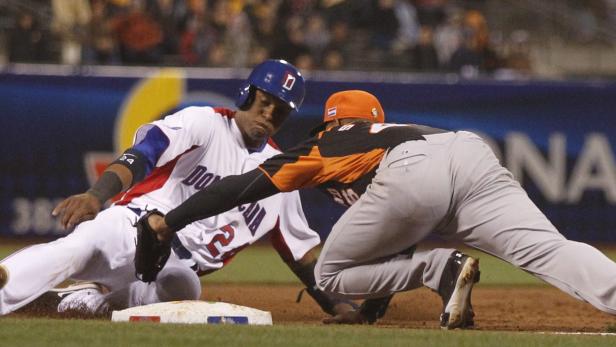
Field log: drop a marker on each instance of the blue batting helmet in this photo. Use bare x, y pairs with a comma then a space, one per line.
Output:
276, 77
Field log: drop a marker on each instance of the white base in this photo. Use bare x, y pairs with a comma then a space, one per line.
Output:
194, 312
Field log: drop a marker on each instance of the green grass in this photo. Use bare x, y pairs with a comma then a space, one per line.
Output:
46, 332
263, 265
254, 265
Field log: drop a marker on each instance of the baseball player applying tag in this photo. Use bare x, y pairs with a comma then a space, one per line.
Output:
404, 182
172, 159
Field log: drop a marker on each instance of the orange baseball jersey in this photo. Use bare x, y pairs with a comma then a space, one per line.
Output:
341, 161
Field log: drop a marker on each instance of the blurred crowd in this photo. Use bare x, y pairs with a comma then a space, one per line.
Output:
413, 35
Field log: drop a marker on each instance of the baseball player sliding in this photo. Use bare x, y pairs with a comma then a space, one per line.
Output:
170, 160
404, 182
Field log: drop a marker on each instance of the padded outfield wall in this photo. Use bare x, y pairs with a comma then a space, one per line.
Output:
60, 127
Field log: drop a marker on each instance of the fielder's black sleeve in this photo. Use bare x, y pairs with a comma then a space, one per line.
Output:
220, 197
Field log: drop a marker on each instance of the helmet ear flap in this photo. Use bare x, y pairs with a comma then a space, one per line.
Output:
249, 99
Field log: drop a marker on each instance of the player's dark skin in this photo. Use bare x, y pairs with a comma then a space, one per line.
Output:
263, 119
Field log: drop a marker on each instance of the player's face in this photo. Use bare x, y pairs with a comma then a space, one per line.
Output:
263, 119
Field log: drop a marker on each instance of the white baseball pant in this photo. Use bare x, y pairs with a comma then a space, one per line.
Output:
102, 251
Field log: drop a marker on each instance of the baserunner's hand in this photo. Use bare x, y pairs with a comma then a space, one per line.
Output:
76, 209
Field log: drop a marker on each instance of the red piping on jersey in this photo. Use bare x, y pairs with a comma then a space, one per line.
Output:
229, 113
223, 111
271, 142
279, 243
154, 181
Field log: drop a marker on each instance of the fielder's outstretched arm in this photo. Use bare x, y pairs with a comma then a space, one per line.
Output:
219, 197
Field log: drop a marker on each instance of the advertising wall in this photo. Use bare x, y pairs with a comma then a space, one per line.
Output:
59, 131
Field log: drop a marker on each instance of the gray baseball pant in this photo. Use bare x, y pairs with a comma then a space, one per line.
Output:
453, 185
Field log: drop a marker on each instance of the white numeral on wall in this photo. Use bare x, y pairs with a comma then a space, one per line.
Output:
35, 216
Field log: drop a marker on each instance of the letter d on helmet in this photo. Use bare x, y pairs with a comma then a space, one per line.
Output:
278, 78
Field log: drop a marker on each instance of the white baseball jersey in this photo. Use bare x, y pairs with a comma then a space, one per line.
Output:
188, 151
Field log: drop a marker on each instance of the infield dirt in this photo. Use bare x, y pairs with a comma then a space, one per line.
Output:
519, 309
538, 308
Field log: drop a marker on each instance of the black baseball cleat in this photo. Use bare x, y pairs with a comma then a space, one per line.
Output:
460, 275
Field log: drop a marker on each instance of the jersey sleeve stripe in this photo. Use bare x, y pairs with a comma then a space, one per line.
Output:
299, 173
152, 146
350, 168
270, 178
313, 169
154, 181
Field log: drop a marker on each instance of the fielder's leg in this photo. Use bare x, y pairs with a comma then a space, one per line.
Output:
496, 216
409, 197
404, 203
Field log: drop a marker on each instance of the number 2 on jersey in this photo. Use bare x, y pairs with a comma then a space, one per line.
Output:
221, 240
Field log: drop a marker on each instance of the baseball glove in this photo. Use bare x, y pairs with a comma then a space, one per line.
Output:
151, 254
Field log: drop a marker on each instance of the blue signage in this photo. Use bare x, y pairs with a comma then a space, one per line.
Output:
60, 131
